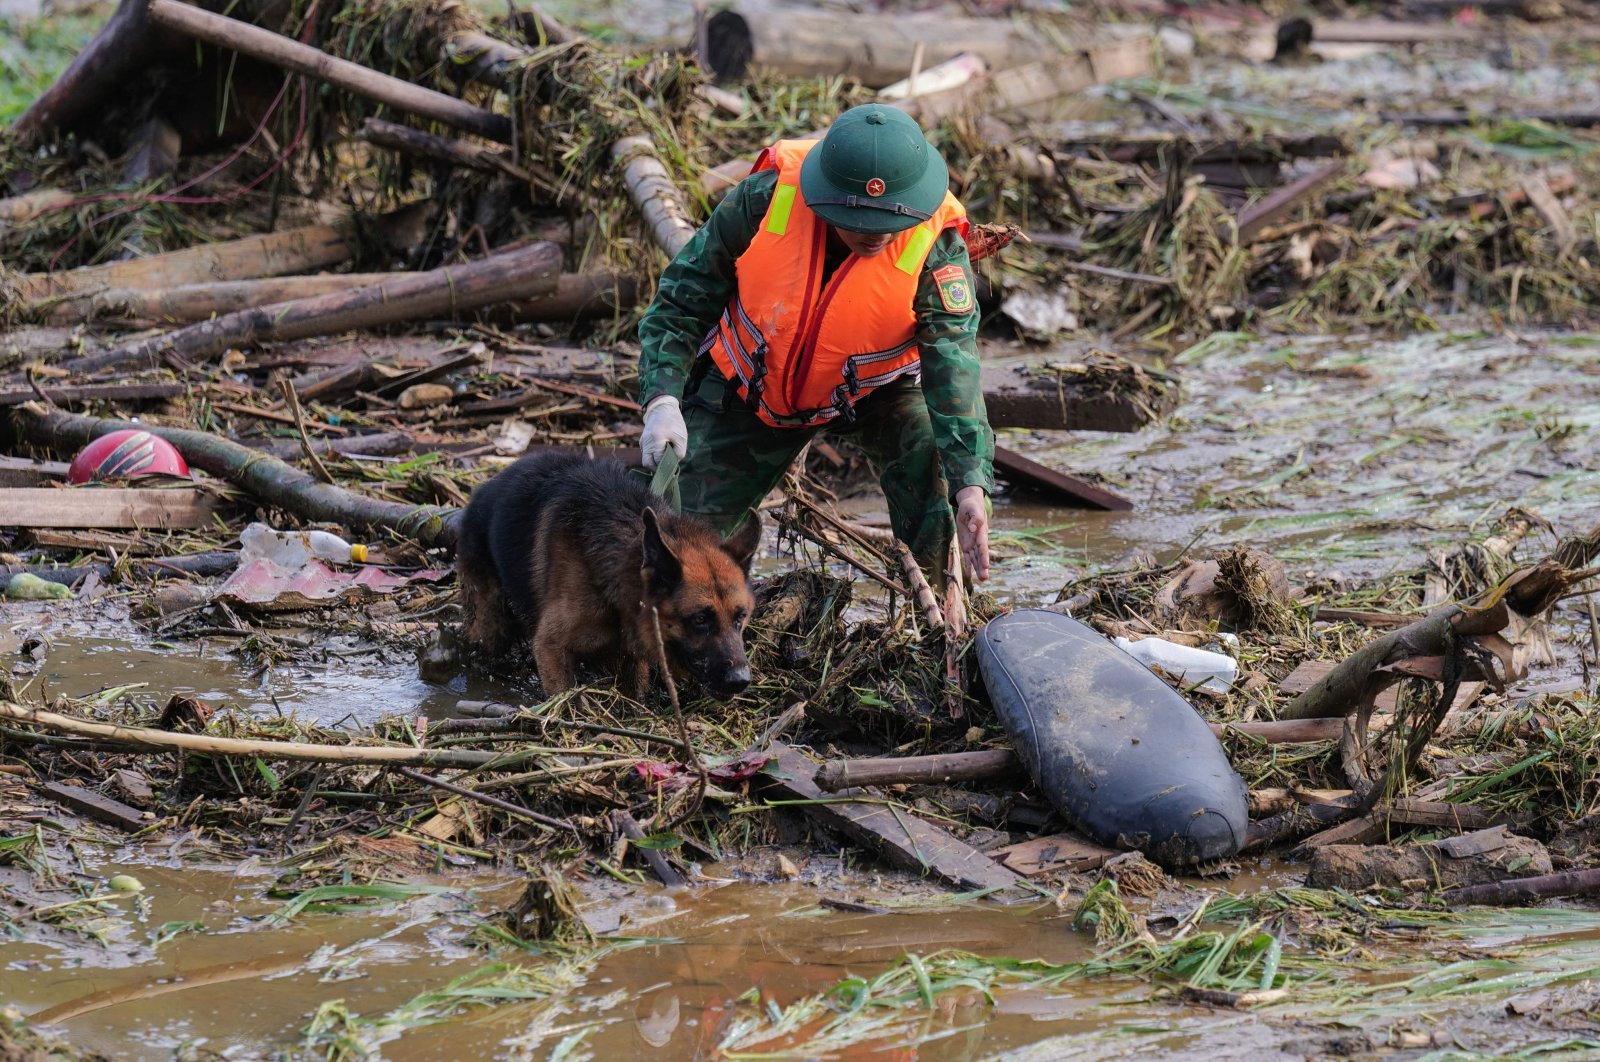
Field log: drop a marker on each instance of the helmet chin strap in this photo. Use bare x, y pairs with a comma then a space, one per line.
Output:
856, 202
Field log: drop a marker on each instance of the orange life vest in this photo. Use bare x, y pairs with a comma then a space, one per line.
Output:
801, 352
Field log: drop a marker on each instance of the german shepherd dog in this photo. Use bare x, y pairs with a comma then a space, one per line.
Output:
572, 554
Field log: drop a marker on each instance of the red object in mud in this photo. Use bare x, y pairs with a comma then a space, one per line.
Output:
125, 454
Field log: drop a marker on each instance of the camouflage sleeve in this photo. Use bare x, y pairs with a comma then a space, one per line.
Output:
947, 332
697, 286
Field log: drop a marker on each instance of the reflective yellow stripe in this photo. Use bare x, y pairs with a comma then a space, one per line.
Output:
910, 259
782, 205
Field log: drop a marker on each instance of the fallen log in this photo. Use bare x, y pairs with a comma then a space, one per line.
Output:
270, 480
218, 562
30, 205
578, 297
875, 49
165, 741
271, 254
300, 58
917, 770
411, 141
450, 289
118, 392
899, 836
1526, 890
373, 444
996, 764
652, 191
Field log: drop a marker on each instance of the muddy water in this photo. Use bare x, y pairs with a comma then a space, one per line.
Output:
1335, 455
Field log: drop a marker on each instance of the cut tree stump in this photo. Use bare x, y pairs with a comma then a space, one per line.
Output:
111, 507
901, 837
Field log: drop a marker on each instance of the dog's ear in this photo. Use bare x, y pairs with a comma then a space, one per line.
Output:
662, 569
742, 545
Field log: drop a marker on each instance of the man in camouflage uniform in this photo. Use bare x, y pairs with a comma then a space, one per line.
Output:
725, 340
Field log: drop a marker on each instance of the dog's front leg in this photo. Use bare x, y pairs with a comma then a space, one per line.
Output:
633, 675
552, 655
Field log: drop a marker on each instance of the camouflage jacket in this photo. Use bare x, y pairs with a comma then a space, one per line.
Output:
700, 282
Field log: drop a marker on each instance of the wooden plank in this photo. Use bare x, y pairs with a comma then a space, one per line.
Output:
1254, 219
120, 392
97, 807
895, 833
1065, 489
21, 472
143, 507
1059, 852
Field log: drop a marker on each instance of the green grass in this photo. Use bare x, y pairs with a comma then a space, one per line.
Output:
33, 52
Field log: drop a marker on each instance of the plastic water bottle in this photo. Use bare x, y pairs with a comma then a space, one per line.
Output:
292, 549
1211, 671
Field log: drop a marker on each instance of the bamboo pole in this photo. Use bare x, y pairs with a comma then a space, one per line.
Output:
162, 741
262, 475
300, 58
516, 274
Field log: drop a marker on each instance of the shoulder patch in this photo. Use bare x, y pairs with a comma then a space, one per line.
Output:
955, 290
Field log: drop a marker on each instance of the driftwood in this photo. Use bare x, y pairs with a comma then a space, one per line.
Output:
875, 49
30, 205
411, 141
918, 770
652, 191
217, 562
450, 289
300, 58
1254, 219
1069, 490
268, 255
122, 393
270, 480
165, 741
901, 837
1526, 890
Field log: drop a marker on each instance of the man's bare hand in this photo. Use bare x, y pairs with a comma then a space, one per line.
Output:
972, 530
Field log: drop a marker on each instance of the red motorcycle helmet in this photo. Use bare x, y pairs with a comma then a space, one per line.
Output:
125, 454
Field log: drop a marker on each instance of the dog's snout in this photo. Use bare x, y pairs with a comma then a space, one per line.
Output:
734, 681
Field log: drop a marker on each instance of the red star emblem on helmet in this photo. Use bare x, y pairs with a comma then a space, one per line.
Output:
875, 186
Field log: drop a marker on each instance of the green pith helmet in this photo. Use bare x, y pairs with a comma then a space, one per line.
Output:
874, 172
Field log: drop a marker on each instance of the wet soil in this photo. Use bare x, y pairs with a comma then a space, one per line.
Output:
1336, 455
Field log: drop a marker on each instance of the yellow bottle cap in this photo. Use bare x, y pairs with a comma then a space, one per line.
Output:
358, 554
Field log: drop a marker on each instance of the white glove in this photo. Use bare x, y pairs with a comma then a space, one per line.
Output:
663, 427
